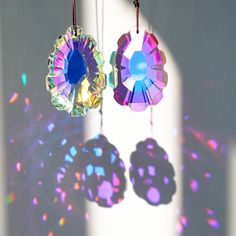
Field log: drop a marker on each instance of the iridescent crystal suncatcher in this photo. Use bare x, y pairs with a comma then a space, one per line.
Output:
138, 75
76, 79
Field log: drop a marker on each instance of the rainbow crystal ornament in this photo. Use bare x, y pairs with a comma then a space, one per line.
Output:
138, 75
75, 79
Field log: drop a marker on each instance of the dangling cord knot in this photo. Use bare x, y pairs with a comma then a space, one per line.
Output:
137, 5
74, 17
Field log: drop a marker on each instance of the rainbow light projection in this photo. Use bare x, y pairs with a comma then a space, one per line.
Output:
151, 174
138, 75
44, 176
101, 172
76, 79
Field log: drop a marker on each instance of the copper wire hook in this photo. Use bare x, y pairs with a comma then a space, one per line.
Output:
74, 17
137, 5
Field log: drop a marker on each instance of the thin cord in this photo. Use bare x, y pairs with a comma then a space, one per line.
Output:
151, 120
100, 48
151, 108
102, 25
74, 17
137, 5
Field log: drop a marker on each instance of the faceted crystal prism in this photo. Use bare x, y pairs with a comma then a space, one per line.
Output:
75, 79
138, 75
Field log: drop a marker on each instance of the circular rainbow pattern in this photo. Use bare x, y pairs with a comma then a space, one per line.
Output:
138, 75
76, 78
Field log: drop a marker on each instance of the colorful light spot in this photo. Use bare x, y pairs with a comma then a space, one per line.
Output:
62, 221
51, 233
113, 158
213, 144
98, 152
76, 186
73, 151
207, 175
24, 79
166, 180
99, 170
194, 185
10, 198
13, 98
153, 195
184, 220
115, 180
69, 207
194, 156
51, 127
141, 172
86, 216
68, 158
35, 201
89, 170
105, 190
64, 142
40, 142
213, 223
45, 217
60, 177
18, 167
151, 170
210, 212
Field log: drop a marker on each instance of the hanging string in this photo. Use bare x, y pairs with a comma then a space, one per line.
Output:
151, 108
74, 17
100, 48
151, 120
137, 5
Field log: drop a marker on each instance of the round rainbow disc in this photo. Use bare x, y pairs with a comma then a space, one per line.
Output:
138, 75
76, 78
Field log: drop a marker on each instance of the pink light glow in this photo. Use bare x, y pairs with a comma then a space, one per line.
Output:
194, 185
35, 201
18, 167
44, 217
213, 144
213, 223
184, 220
13, 98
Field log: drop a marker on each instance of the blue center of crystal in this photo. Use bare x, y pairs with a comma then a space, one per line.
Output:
76, 66
138, 65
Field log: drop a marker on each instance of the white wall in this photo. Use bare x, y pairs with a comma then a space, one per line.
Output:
125, 129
